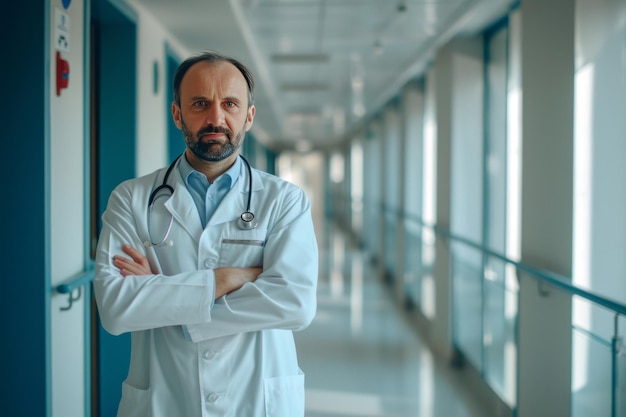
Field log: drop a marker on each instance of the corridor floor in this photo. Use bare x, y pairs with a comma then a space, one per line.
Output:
360, 356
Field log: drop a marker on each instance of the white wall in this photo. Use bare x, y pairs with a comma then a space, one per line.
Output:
547, 81
67, 218
152, 107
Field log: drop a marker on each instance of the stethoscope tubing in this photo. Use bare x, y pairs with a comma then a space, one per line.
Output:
246, 220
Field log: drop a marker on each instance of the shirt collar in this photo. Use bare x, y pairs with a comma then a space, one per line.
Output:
232, 174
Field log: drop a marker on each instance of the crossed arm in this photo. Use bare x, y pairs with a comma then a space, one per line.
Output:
226, 279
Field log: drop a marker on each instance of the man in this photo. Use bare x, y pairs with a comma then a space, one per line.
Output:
211, 304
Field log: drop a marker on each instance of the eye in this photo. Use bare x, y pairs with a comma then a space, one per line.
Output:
230, 104
199, 103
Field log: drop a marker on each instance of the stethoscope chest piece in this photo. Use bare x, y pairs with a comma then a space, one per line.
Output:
246, 221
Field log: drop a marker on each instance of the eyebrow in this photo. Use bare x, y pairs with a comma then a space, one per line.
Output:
229, 98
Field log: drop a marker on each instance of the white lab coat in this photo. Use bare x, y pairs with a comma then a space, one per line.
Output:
191, 356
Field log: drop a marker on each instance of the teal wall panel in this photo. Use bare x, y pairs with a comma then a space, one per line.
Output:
115, 66
24, 300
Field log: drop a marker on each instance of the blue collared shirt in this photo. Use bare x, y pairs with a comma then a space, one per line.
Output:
208, 196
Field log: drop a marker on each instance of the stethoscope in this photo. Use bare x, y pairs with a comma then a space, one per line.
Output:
245, 222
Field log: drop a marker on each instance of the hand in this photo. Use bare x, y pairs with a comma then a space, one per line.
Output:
230, 279
138, 265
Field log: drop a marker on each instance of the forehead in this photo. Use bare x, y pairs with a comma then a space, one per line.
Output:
210, 78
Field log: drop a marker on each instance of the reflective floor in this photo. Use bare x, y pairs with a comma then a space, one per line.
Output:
361, 357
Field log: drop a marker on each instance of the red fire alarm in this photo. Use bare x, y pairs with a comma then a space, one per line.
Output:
63, 73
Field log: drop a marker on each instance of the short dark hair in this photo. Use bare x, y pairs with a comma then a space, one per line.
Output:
212, 57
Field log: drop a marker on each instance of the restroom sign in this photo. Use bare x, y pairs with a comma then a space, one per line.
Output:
61, 31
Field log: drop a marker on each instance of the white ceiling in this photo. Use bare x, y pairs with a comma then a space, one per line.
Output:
322, 66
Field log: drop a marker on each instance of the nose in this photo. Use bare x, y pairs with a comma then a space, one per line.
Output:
214, 115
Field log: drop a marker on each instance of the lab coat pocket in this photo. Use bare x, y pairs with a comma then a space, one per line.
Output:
284, 396
242, 250
135, 402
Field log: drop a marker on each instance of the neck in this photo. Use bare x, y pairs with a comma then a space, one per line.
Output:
211, 169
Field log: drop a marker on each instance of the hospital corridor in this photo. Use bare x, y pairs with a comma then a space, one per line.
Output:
313, 208
362, 357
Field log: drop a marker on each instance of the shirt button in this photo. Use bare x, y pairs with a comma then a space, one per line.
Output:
212, 397
208, 263
209, 354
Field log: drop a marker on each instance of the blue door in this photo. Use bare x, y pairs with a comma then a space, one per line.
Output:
114, 126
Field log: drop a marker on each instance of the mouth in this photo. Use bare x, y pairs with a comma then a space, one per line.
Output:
213, 138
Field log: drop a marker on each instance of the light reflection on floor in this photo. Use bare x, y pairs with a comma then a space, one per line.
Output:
360, 357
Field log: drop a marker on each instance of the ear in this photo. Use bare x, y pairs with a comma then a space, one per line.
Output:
250, 117
176, 115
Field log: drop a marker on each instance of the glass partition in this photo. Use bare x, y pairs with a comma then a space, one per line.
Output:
591, 390
390, 193
413, 270
468, 303
598, 371
500, 326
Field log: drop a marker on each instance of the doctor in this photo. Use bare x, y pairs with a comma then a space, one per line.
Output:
211, 305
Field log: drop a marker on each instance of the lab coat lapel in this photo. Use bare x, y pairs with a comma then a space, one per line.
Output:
182, 207
234, 202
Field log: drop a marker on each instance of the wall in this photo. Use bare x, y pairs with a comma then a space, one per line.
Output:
153, 106
547, 83
151, 102
24, 301
67, 220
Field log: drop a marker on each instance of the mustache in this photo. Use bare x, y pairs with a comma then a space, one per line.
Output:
214, 129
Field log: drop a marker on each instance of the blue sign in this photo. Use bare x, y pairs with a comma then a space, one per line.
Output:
66, 3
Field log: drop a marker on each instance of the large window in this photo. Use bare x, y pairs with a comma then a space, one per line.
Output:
485, 208
599, 203
413, 162
501, 218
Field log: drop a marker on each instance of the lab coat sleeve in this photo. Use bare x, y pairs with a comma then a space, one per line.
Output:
284, 295
143, 302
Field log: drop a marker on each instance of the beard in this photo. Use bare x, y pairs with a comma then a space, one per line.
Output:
213, 150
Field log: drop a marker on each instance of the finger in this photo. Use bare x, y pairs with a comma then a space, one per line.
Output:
129, 267
120, 261
132, 270
135, 254
123, 263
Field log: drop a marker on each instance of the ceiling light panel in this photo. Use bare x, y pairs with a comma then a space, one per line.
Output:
300, 58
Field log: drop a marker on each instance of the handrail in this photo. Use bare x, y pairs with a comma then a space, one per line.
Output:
543, 276
550, 277
76, 282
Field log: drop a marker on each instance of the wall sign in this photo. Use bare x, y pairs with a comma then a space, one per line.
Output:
61, 30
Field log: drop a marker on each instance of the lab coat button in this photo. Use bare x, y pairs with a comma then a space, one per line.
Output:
208, 263
209, 354
212, 397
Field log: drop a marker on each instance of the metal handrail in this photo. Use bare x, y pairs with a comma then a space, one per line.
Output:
76, 283
543, 275
550, 277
